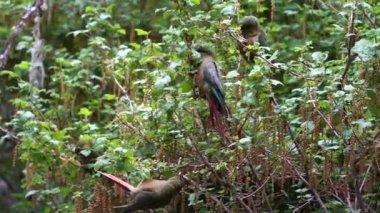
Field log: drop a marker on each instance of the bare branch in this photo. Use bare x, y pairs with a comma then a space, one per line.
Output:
350, 44
301, 206
262, 185
215, 199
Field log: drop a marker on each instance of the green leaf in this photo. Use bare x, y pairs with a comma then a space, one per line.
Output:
324, 104
348, 87
141, 32
85, 137
363, 123
328, 145
318, 71
347, 133
374, 110
319, 56
85, 152
142, 81
24, 65
276, 82
162, 82
186, 86
25, 115
78, 32
31, 193
308, 125
110, 97
85, 112
228, 10
10, 74
245, 141
122, 31
232, 74
365, 49
101, 162
52, 191
104, 16
90, 9
196, 2
20, 103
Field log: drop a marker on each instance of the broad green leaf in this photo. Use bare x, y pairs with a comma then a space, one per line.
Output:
186, 86
85, 112
319, 56
10, 74
78, 32
85, 152
365, 49
196, 2
24, 65
228, 10
276, 82
110, 97
31, 193
232, 74
362, 123
141, 32
162, 81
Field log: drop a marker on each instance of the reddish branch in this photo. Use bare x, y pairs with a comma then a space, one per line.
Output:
17, 29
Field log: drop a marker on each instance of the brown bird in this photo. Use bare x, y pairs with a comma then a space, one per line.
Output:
252, 33
208, 80
149, 194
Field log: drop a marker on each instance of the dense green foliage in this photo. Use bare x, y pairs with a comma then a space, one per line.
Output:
119, 97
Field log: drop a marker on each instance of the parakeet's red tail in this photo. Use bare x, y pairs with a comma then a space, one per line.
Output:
119, 181
217, 121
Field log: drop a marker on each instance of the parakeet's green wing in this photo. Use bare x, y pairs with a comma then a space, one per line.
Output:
212, 77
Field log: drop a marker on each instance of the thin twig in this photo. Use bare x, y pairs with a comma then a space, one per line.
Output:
301, 206
262, 185
213, 197
365, 177
125, 93
239, 129
244, 205
372, 22
312, 189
